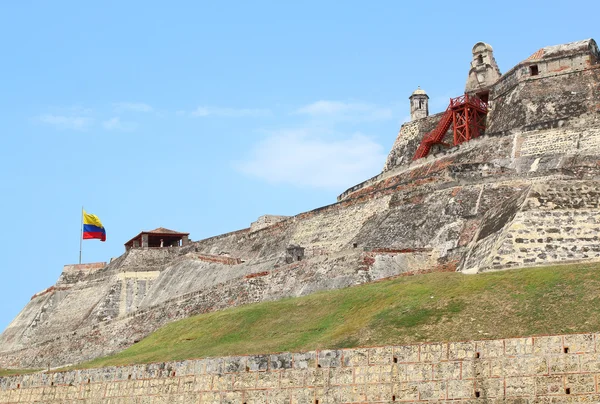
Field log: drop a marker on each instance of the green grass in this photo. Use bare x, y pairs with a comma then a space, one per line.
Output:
433, 307
14, 372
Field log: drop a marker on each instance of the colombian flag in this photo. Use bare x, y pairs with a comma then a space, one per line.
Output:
92, 227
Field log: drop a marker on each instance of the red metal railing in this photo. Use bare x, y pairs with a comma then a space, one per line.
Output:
466, 114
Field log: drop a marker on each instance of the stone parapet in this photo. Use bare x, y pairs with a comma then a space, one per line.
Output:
557, 369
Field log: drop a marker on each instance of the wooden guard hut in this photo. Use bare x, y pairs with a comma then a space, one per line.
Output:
158, 238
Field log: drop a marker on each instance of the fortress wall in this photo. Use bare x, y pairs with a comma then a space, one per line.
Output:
545, 369
547, 68
557, 222
547, 102
559, 141
408, 140
74, 273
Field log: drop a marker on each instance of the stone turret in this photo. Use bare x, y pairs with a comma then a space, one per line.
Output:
484, 71
419, 104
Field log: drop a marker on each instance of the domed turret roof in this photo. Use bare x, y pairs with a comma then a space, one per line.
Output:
419, 91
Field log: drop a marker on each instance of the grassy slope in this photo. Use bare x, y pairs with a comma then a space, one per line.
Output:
12, 372
433, 307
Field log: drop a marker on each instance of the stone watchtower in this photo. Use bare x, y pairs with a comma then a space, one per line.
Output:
484, 71
419, 104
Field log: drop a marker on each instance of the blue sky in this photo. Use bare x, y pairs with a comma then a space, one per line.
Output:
202, 116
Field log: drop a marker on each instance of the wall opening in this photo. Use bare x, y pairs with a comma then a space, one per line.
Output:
567, 390
395, 359
534, 70
484, 96
477, 394
393, 398
566, 349
477, 355
354, 245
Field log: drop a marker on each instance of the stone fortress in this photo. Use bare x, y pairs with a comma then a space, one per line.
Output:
516, 184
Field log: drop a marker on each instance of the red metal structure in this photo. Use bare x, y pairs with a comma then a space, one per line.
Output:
466, 114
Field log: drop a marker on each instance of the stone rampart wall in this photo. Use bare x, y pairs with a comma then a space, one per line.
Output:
554, 222
545, 369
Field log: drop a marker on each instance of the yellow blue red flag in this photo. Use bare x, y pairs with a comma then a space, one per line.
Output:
92, 227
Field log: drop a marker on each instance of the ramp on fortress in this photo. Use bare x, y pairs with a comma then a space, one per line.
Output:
526, 193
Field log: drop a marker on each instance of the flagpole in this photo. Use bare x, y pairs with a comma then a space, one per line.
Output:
81, 236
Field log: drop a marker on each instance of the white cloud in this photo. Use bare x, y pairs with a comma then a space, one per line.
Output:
350, 111
115, 123
203, 111
309, 159
74, 122
133, 106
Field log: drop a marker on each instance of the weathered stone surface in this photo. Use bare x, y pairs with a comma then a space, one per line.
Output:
524, 375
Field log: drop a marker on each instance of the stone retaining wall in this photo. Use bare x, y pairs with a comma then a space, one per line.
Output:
547, 369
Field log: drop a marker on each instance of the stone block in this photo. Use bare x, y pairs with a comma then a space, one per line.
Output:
490, 349
434, 352
256, 397
204, 382
590, 363
406, 353
267, 380
518, 346
435, 390
489, 388
317, 377
236, 364
326, 395
302, 396
222, 382
279, 396
366, 374
232, 397
292, 378
356, 357
525, 366
381, 356
580, 384
460, 389
329, 359
582, 343
519, 386
342, 376
405, 391
545, 385
419, 371
481, 368
244, 381
351, 394
210, 398
564, 364
447, 370
461, 350
305, 360
280, 361
257, 363
547, 345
